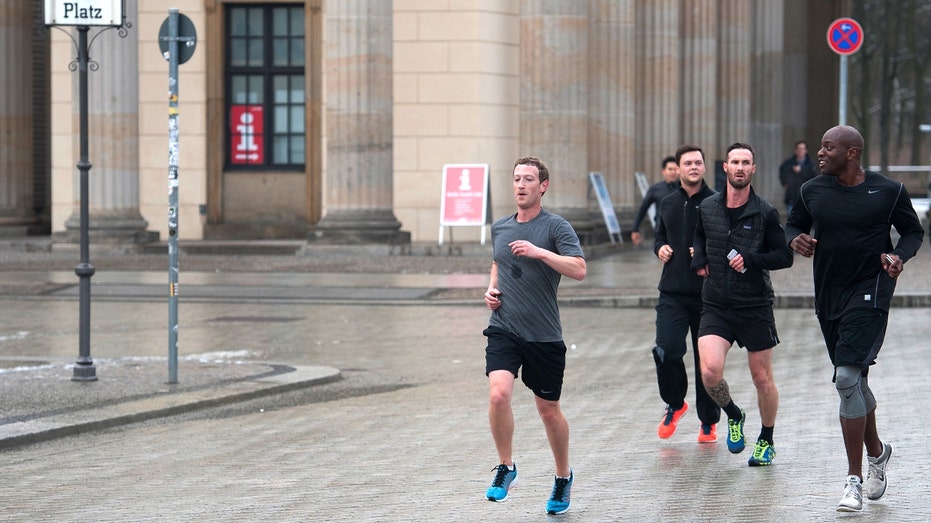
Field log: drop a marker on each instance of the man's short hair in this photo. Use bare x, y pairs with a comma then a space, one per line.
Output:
536, 162
687, 149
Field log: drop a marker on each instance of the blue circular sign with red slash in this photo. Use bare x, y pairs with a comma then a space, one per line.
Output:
845, 36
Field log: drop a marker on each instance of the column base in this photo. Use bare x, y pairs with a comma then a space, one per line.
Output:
358, 227
108, 229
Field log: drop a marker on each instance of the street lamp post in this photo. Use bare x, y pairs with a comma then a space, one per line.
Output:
84, 369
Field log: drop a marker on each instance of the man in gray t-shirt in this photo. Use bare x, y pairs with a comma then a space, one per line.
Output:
533, 249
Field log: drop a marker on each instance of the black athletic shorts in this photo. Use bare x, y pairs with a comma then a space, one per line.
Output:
751, 327
544, 363
856, 337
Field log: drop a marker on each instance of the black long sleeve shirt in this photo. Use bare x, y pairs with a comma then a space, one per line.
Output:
852, 226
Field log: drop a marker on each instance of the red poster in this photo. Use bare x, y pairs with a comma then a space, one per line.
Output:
246, 135
464, 194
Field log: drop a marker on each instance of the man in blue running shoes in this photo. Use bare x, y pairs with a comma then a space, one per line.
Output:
738, 240
533, 249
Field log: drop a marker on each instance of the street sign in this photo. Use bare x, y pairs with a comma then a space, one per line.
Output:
607, 208
465, 197
845, 36
187, 38
84, 12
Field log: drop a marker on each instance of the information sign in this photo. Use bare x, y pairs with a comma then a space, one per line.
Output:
465, 196
607, 208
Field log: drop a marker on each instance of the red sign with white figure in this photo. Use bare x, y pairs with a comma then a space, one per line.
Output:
246, 135
464, 194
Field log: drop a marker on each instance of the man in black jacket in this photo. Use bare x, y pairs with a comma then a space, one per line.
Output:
855, 269
679, 307
655, 194
738, 240
794, 171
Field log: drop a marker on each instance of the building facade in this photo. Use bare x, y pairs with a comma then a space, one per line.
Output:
331, 120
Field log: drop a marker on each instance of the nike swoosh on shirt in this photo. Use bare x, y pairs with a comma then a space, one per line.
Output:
874, 191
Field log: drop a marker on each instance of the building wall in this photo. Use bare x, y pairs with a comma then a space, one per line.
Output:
656, 74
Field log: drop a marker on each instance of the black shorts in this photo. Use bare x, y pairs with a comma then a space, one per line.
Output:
544, 363
751, 327
856, 337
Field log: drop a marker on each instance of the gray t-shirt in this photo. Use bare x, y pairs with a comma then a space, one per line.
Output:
528, 287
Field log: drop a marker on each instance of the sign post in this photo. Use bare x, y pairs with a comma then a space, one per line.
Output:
83, 14
607, 208
465, 197
175, 30
845, 37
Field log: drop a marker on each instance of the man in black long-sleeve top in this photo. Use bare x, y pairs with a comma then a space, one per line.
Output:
655, 194
855, 267
738, 240
679, 307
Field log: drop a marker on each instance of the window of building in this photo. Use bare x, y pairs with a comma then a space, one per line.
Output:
265, 87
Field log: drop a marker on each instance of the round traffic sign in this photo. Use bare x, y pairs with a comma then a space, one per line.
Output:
187, 38
845, 36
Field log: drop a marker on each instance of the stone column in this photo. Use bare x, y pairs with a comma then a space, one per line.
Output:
611, 129
734, 52
554, 101
113, 140
658, 80
16, 121
358, 184
698, 118
767, 110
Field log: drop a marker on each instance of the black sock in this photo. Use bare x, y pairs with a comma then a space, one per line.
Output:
732, 411
766, 433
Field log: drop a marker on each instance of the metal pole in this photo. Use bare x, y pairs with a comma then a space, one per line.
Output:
84, 369
842, 99
173, 195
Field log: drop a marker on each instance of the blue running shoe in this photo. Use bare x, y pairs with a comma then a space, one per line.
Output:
505, 478
735, 434
763, 454
559, 499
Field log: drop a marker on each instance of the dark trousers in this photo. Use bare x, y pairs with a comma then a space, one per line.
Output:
676, 316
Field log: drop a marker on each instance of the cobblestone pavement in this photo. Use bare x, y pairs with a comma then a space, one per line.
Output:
403, 436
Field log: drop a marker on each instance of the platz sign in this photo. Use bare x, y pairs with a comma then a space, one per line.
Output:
84, 12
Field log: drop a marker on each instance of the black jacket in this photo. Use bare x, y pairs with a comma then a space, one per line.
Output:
792, 180
676, 217
655, 194
757, 236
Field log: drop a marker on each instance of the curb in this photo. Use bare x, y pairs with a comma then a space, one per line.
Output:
161, 405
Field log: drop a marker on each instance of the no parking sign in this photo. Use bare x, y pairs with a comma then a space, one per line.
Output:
845, 36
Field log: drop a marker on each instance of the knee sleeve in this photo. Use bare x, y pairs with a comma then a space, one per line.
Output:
852, 398
867, 393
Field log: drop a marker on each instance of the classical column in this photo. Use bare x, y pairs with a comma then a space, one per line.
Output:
611, 91
767, 110
554, 102
16, 118
113, 140
358, 184
698, 118
734, 65
658, 81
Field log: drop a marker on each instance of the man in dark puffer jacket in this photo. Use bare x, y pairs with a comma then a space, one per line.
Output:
738, 240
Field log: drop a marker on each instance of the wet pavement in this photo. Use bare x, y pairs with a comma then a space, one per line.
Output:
309, 392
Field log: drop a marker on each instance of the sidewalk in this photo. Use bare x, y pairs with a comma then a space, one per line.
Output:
255, 326
39, 401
